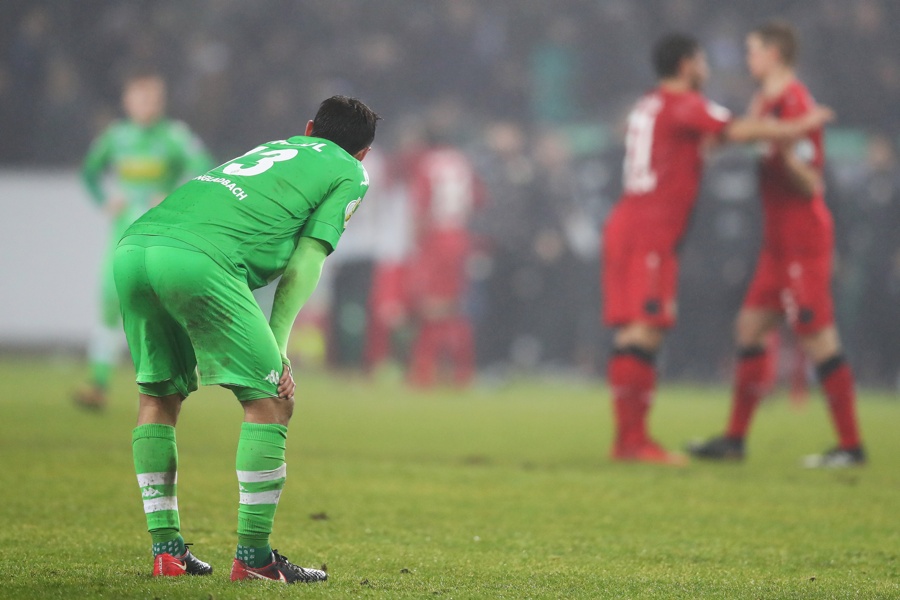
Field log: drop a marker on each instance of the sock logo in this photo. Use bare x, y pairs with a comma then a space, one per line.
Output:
149, 492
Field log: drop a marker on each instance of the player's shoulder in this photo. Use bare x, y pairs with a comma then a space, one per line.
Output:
693, 102
338, 159
116, 127
176, 128
677, 101
797, 96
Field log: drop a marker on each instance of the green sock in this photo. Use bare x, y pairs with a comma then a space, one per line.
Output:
261, 472
156, 465
173, 546
254, 556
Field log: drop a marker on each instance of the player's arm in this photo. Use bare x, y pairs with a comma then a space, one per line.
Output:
298, 282
318, 238
804, 176
95, 163
753, 129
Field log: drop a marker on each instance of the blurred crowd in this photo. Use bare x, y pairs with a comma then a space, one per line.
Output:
532, 93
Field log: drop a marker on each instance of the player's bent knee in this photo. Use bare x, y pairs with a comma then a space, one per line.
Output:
269, 410
642, 335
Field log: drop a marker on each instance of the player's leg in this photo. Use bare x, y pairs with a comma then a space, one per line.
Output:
632, 378
262, 471
386, 310
760, 314
813, 321
103, 347
424, 354
639, 287
235, 348
750, 384
838, 384
165, 364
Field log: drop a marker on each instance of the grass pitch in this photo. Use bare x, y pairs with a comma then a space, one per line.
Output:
504, 493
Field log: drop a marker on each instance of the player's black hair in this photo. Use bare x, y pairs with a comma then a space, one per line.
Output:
670, 50
347, 122
781, 35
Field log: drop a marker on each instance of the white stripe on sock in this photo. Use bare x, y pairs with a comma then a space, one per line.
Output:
161, 478
158, 504
260, 497
260, 476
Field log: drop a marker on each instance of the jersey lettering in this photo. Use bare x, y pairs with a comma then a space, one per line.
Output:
639, 176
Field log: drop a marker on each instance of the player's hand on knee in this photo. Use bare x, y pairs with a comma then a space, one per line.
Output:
286, 384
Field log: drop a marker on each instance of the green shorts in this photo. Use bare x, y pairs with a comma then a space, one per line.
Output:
183, 313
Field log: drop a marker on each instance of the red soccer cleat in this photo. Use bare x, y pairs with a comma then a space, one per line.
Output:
648, 452
166, 565
280, 569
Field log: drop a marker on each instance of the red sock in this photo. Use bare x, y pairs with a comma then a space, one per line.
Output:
837, 383
632, 377
423, 363
749, 386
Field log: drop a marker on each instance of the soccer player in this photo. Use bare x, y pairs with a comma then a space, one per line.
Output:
667, 131
793, 275
444, 191
148, 155
185, 271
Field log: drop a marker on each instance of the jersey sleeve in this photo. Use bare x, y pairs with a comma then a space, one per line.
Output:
95, 163
796, 103
702, 116
329, 220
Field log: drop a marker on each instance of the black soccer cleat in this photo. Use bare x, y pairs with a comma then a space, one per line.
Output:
167, 565
718, 448
836, 458
280, 569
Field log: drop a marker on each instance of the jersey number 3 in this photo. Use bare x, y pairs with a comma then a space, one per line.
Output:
265, 158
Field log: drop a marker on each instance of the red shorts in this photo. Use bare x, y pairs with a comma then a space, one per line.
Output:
797, 286
389, 297
437, 270
639, 282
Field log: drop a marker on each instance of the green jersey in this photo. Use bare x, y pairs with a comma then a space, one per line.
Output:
147, 162
249, 213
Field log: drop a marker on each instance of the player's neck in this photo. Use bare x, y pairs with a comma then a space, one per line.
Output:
676, 85
774, 84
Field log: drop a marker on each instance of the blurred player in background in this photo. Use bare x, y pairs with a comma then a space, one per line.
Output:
185, 271
793, 274
667, 131
444, 190
147, 156
388, 305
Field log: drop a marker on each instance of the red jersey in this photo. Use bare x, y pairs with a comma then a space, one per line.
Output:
664, 161
794, 223
444, 191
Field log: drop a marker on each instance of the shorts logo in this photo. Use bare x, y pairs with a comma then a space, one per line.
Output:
351, 208
806, 315
272, 377
652, 307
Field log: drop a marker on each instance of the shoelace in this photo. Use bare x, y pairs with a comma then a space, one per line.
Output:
284, 560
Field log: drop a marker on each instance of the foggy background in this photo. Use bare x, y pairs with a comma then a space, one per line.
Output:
534, 91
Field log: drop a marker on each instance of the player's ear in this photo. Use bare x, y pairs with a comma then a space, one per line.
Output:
309, 128
362, 153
